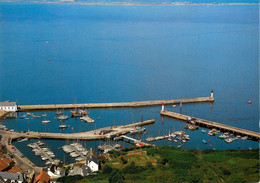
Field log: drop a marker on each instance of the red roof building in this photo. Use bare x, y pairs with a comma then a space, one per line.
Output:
43, 177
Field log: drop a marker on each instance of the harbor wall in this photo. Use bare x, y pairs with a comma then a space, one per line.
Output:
22, 108
211, 124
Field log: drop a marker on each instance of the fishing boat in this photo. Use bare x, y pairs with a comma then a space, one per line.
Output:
160, 138
222, 136
74, 154
2, 126
46, 121
174, 105
117, 146
44, 114
244, 138
87, 119
104, 147
229, 140
203, 131
150, 139
48, 163
63, 117
137, 130
250, 101
23, 116
79, 159
58, 112
62, 126
78, 113
204, 141
23, 140
40, 143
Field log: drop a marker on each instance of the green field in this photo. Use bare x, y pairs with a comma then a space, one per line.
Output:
169, 164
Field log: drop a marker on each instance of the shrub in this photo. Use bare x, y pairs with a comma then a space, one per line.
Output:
149, 165
132, 169
116, 177
107, 169
70, 179
163, 161
123, 160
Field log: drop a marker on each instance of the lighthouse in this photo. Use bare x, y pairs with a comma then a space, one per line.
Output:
211, 94
162, 106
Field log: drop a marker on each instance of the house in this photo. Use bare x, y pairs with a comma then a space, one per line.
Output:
86, 171
56, 171
6, 164
14, 170
43, 177
93, 163
82, 170
8, 106
12, 177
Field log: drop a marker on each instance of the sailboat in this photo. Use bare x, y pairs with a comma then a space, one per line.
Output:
45, 121
62, 126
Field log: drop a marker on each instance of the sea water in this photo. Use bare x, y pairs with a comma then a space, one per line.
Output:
131, 53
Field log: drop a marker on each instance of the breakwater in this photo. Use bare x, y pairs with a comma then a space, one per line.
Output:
22, 108
101, 133
211, 124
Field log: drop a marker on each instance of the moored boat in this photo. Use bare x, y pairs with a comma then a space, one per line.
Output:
46, 121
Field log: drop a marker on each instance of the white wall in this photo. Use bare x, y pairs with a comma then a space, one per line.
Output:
93, 166
9, 108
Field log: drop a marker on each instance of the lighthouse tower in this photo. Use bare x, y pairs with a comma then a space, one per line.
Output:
211, 94
162, 106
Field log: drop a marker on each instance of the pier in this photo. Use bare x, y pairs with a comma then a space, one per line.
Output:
101, 133
211, 124
136, 141
22, 108
43, 152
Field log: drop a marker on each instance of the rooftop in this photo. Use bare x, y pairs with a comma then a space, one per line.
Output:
14, 170
7, 103
42, 177
12, 176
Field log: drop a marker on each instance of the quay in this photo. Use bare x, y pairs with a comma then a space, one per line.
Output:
211, 124
136, 141
22, 108
102, 133
3, 114
43, 152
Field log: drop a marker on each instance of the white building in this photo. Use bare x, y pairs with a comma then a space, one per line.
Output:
93, 163
8, 106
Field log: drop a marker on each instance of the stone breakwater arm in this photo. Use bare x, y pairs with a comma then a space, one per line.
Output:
212, 124
114, 105
90, 135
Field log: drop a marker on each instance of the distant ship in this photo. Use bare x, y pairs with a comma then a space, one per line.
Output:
250, 101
